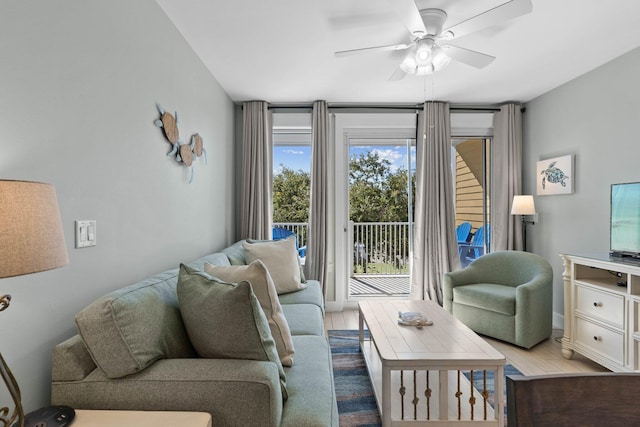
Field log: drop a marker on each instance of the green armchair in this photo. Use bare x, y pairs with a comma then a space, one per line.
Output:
506, 295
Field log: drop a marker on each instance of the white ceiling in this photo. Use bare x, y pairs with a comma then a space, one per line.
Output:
282, 51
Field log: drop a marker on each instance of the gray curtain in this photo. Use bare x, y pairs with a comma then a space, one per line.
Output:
506, 229
257, 154
435, 246
316, 257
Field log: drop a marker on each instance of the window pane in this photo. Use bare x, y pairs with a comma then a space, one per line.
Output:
472, 184
291, 183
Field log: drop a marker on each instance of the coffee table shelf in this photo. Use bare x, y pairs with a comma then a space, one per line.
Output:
407, 357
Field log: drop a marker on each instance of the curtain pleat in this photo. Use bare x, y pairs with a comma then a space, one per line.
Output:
316, 257
435, 247
257, 173
506, 229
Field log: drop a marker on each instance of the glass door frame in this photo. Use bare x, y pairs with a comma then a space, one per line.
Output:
361, 126
380, 141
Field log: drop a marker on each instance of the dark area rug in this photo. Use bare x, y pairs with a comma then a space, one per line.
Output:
356, 401
354, 392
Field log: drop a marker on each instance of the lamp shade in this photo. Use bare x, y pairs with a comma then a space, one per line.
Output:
523, 205
31, 237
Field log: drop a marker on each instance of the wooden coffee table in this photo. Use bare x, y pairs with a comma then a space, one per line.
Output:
416, 373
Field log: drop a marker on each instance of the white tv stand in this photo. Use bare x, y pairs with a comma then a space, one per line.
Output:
602, 318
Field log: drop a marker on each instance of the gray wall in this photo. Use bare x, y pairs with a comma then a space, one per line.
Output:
80, 80
593, 117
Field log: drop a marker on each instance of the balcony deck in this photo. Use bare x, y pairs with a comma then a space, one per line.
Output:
379, 285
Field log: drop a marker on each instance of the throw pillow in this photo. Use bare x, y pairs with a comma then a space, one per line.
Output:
235, 257
225, 320
128, 329
257, 274
281, 259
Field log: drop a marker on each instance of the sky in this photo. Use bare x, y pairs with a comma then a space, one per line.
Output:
298, 157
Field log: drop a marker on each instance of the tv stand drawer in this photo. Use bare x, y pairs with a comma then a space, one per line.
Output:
606, 342
604, 306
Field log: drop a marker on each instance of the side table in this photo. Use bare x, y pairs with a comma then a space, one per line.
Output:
105, 418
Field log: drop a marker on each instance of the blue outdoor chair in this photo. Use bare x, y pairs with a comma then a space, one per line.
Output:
474, 249
463, 231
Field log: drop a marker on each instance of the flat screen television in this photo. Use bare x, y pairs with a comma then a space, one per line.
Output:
625, 219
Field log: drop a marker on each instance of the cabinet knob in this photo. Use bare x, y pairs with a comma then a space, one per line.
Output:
597, 304
597, 338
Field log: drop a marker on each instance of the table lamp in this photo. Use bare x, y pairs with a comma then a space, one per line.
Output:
523, 205
31, 240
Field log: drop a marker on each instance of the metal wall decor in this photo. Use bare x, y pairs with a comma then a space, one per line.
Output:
184, 153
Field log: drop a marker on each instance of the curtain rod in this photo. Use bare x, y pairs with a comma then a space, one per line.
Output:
337, 106
412, 107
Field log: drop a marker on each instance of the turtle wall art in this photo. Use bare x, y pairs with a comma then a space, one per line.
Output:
555, 176
183, 153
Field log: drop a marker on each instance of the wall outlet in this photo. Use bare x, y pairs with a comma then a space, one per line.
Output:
85, 233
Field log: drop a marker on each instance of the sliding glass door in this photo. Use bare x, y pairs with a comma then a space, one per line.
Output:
381, 189
473, 198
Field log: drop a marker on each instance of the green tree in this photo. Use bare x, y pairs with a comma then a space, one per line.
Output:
377, 194
291, 191
367, 176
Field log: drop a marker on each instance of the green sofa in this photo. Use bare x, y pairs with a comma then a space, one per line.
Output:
138, 356
505, 295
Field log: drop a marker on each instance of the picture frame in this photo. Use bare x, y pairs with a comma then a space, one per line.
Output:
555, 176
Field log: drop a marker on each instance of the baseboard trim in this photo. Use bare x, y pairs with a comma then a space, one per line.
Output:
333, 306
558, 321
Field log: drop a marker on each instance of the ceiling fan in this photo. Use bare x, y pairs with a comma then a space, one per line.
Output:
426, 54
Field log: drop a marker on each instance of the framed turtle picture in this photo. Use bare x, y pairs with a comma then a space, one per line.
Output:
555, 176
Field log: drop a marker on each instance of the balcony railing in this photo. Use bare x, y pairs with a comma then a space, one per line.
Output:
379, 248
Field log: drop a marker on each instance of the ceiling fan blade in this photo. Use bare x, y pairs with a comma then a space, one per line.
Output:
497, 15
469, 57
372, 49
408, 13
398, 74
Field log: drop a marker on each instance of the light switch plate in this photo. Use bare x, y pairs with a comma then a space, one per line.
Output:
85, 233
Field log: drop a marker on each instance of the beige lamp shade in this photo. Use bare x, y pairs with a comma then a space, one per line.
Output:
31, 237
523, 205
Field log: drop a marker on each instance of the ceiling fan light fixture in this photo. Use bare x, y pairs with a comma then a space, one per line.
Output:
423, 52
440, 59
426, 70
409, 65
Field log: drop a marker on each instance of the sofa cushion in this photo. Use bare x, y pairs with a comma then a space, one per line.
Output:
281, 259
257, 274
312, 397
225, 320
488, 296
128, 329
237, 393
312, 294
304, 319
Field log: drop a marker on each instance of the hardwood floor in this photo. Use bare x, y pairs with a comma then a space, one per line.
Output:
544, 358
